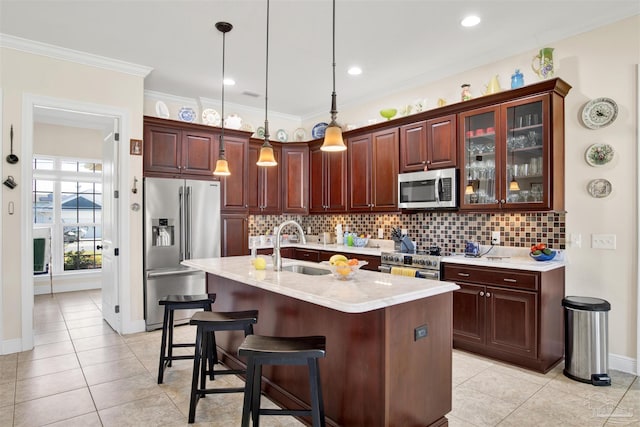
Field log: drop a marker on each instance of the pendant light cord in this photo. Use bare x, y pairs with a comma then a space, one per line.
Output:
266, 83
334, 111
224, 36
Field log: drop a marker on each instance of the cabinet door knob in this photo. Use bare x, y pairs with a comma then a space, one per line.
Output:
481, 293
488, 294
424, 162
503, 201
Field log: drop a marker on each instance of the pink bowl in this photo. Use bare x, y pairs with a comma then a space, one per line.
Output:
491, 130
469, 133
479, 132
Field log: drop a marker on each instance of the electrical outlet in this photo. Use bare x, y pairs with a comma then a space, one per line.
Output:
603, 241
420, 332
576, 240
495, 237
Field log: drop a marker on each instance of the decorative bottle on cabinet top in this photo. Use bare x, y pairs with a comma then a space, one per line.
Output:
517, 79
466, 92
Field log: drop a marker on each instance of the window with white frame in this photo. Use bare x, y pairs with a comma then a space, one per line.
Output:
67, 199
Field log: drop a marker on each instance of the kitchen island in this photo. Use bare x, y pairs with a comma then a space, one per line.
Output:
389, 339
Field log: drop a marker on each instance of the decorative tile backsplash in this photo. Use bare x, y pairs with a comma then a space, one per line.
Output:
449, 230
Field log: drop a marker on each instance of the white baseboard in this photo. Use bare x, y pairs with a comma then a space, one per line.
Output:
623, 363
11, 346
43, 289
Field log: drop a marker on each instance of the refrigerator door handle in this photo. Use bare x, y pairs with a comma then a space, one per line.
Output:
155, 274
181, 222
187, 233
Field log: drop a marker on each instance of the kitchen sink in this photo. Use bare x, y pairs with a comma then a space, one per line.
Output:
305, 269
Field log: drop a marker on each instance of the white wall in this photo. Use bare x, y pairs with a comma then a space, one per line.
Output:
65, 141
25, 74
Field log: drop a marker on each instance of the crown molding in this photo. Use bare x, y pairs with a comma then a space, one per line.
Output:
161, 96
215, 102
56, 52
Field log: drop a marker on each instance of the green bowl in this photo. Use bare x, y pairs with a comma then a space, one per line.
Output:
388, 113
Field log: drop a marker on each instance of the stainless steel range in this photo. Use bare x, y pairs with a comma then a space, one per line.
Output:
425, 266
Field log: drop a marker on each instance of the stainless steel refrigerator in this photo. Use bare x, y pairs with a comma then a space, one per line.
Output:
181, 221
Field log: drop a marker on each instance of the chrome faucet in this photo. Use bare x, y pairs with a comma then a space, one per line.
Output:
277, 259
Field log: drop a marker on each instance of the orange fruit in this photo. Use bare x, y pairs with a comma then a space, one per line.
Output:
353, 261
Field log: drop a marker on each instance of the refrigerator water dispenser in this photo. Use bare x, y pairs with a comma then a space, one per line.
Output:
162, 231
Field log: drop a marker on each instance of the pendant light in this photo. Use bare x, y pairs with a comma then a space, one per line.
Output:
513, 184
266, 157
333, 133
222, 166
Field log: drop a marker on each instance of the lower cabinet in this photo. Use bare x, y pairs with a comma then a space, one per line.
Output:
306, 254
512, 315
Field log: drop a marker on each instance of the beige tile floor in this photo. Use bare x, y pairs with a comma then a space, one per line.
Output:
81, 373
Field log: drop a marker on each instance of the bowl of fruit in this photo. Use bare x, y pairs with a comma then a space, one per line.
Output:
541, 252
342, 267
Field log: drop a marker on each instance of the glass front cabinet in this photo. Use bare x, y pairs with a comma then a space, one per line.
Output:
507, 156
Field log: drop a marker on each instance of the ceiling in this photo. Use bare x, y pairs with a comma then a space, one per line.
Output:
398, 43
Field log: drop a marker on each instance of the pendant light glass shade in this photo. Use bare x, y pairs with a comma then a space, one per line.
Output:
333, 139
469, 189
266, 157
222, 166
333, 133
513, 185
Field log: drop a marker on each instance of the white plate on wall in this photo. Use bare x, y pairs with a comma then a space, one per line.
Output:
599, 188
299, 135
187, 114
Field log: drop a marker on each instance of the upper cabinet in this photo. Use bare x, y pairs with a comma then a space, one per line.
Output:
430, 144
327, 180
234, 186
512, 155
295, 178
263, 187
373, 171
174, 152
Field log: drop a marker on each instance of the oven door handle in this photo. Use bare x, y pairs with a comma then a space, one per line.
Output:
433, 275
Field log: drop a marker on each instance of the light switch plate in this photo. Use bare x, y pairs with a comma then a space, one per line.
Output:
603, 241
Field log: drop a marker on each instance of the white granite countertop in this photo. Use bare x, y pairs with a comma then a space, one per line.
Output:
367, 291
507, 257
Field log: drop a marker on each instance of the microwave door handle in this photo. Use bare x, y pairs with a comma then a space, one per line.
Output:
439, 192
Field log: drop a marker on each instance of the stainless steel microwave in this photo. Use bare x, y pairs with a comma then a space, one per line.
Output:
432, 189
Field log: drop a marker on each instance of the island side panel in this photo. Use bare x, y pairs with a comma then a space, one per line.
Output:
352, 373
418, 374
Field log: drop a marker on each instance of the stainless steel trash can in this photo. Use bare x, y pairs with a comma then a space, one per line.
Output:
586, 339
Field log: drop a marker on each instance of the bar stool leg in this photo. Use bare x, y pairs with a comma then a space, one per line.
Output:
255, 394
317, 404
170, 326
163, 346
194, 380
248, 389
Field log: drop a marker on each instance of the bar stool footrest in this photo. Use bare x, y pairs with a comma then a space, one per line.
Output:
296, 412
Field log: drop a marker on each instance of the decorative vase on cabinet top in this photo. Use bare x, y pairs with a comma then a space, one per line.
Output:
517, 79
544, 63
493, 86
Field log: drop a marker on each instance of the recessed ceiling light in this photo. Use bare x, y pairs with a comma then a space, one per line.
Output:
355, 71
229, 82
470, 21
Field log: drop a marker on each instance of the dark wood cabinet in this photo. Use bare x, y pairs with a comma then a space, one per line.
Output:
511, 315
431, 143
234, 235
373, 171
295, 178
327, 180
234, 186
179, 153
306, 254
512, 152
263, 183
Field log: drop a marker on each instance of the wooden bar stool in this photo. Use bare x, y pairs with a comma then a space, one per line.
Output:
172, 303
208, 323
261, 350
